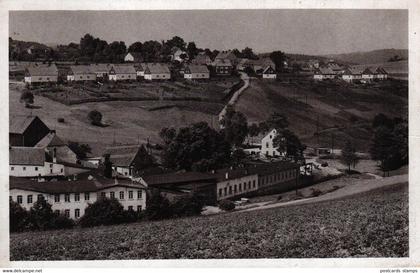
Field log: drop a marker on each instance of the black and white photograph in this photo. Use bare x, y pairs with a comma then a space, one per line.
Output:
208, 134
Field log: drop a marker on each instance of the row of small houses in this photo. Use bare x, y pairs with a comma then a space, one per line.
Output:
350, 74
42, 166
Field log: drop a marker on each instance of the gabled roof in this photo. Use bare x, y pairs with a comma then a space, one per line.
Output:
334, 66
19, 124
226, 55
367, 71
47, 70
81, 69
201, 59
353, 70
26, 156
324, 71
157, 68
100, 68
123, 155
50, 140
92, 181
124, 69
197, 69
222, 62
178, 178
136, 55
269, 70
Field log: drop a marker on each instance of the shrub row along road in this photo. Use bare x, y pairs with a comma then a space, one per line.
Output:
236, 95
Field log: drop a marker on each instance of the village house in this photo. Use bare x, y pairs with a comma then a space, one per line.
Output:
324, 73
227, 55
222, 66
352, 73
133, 57
71, 198
122, 73
128, 160
202, 59
379, 73
263, 145
81, 73
196, 72
33, 162
336, 68
41, 74
367, 74
52, 143
101, 70
269, 73
26, 130
157, 71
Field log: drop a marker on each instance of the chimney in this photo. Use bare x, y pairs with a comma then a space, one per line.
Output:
55, 155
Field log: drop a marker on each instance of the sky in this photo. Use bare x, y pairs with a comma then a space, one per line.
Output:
293, 31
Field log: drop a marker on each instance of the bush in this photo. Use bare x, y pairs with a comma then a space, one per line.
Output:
226, 205
61, 222
158, 207
187, 206
41, 215
18, 217
95, 117
104, 211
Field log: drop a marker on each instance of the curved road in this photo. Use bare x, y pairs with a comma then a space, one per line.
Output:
237, 94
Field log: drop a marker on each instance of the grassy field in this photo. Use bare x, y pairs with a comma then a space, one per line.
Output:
341, 109
129, 121
373, 224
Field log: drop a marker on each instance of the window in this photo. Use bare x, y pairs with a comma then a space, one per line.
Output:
36, 168
235, 189
67, 197
266, 144
253, 184
139, 208
87, 196
103, 194
24, 168
249, 185
51, 165
67, 213
230, 189
112, 195
61, 170
56, 198
240, 187
19, 199
40, 197
139, 193
76, 213
12, 168
130, 194
77, 197
29, 199
57, 212
130, 208
121, 195
10, 198
245, 186
225, 190
220, 192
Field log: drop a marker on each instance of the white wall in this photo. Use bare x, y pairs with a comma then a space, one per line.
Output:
162, 76
267, 146
36, 79
251, 180
269, 76
193, 76
48, 169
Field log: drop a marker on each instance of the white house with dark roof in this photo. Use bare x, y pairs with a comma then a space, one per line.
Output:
81, 73
101, 70
222, 66
122, 73
263, 145
41, 74
53, 144
352, 73
33, 162
202, 59
196, 72
324, 73
367, 74
269, 73
71, 197
156, 71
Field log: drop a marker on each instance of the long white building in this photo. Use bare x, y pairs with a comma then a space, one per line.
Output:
72, 197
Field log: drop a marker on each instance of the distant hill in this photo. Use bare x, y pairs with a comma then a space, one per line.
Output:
370, 57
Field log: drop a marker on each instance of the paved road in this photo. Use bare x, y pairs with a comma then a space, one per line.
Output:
365, 185
237, 94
